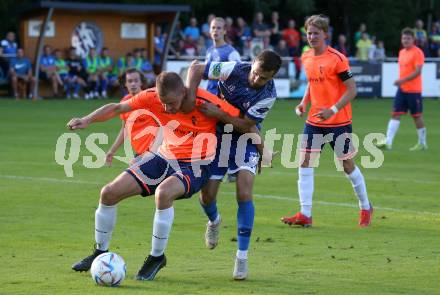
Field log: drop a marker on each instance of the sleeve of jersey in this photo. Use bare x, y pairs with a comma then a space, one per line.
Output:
260, 110
223, 105
234, 56
139, 101
420, 58
219, 70
343, 70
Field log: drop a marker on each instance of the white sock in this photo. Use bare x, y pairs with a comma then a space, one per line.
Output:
393, 126
216, 221
105, 220
305, 190
163, 220
242, 254
360, 189
422, 135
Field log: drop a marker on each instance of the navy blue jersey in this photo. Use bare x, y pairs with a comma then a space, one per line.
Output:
234, 86
220, 54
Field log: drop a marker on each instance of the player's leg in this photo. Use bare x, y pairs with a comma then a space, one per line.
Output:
122, 187
345, 151
208, 195
311, 146
180, 184
169, 190
400, 107
208, 198
416, 109
245, 221
357, 180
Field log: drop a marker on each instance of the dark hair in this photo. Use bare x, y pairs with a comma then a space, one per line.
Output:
123, 77
408, 31
269, 60
167, 82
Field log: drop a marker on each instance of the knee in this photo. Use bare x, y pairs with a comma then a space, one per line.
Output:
107, 196
348, 166
162, 198
243, 196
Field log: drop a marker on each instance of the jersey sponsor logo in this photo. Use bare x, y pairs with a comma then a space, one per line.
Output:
216, 70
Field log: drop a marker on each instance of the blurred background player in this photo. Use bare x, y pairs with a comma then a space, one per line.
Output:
330, 89
409, 92
134, 82
220, 51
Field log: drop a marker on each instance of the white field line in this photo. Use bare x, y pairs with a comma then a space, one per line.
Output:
271, 197
338, 204
367, 177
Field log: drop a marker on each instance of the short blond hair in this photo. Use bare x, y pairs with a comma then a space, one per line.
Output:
318, 20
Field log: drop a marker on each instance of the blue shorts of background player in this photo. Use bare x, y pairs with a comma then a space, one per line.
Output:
405, 101
156, 169
314, 138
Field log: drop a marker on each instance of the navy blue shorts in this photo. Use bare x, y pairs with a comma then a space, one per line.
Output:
314, 138
150, 170
405, 101
242, 155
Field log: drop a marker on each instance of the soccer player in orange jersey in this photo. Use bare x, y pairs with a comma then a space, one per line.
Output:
178, 170
330, 89
135, 124
409, 92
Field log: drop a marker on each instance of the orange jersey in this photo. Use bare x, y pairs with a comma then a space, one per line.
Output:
189, 136
138, 123
408, 60
325, 85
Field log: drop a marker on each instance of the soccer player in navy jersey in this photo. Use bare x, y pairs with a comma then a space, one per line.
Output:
250, 88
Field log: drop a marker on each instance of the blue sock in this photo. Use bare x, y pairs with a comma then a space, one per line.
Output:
210, 210
245, 223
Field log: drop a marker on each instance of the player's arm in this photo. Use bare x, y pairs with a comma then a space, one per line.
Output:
349, 95
102, 114
115, 146
211, 70
410, 77
301, 108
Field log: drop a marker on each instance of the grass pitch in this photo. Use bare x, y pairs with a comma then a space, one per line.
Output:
47, 219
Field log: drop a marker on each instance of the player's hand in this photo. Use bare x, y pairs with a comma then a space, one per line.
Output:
109, 158
323, 114
77, 123
210, 110
398, 82
300, 109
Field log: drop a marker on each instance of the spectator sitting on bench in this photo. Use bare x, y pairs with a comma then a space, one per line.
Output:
21, 75
48, 70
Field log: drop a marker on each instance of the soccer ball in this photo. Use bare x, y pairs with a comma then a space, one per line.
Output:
108, 269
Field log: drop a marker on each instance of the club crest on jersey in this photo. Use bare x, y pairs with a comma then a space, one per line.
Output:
246, 105
194, 120
216, 70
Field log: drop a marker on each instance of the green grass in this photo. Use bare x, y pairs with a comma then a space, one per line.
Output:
47, 219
